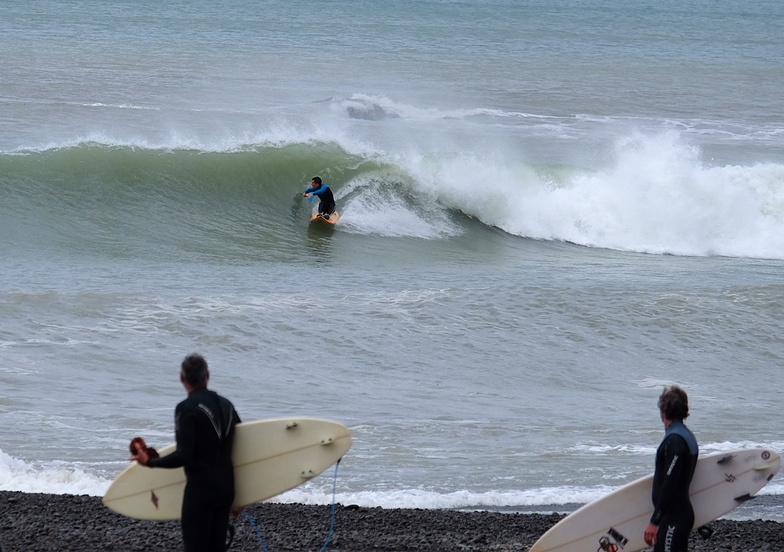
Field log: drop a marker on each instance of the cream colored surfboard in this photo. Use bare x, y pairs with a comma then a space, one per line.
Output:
270, 457
616, 522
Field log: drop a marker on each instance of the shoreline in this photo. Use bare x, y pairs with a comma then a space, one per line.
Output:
45, 523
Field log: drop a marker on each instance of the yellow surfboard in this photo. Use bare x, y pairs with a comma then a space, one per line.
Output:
332, 219
269, 456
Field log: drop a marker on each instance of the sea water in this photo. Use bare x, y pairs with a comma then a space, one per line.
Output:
550, 210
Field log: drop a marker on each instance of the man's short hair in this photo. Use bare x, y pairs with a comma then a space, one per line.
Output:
194, 369
317, 180
674, 403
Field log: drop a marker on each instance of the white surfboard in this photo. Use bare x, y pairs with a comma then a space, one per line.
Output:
269, 456
616, 522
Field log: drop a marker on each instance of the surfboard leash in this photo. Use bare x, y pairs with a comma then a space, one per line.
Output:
262, 542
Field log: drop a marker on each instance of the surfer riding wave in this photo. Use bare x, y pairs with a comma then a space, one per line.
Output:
326, 199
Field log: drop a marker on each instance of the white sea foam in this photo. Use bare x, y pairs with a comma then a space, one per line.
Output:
384, 107
654, 196
17, 475
727, 446
60, 478
417, 498
604, 449
371, 208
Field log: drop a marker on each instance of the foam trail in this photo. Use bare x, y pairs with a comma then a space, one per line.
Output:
372, 208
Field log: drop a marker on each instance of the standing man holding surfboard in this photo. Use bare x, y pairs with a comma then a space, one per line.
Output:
204, 430
676, 458
327, 200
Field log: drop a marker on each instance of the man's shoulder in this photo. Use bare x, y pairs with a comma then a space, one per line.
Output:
676, 443
228, 408
220, 399
226, 404
682, 437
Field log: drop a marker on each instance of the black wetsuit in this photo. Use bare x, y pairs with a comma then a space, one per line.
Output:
204, 426
676, 459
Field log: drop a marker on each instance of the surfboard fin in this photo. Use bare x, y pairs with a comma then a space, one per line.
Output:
744, 498
763, 467
292, 425
327, 441
725, 459
307, 474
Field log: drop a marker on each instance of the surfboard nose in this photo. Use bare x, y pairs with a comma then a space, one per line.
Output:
771, 462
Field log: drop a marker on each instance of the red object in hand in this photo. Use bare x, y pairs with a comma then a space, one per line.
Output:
137, 443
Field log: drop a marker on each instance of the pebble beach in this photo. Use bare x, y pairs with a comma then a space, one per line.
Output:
42, 522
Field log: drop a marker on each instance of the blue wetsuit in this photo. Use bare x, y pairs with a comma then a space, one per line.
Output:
676, 459
204, 429
327, 203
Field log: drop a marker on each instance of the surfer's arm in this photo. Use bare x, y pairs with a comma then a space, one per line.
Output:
316, 191
186, 443
676, 456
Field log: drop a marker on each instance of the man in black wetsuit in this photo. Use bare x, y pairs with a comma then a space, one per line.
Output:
327, 200
204, 429
676, 458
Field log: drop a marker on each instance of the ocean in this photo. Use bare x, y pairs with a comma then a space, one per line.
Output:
550, 210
